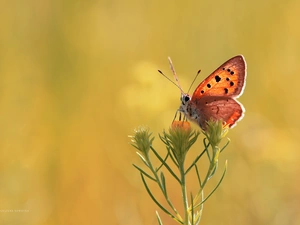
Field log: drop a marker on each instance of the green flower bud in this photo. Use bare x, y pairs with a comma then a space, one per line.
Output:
142, 139
179, 139
215, 132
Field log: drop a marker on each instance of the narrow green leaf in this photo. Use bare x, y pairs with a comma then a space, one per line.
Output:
163, 182
206, 146
162, 163
214, 170
195, 161
158, 218
220, 181
172, 157
225, 145
157, 203
198, 217
143, 172
143, 159
194, 139
204, 142
198, 176
166, 165
163, 140
135, 146
192, 208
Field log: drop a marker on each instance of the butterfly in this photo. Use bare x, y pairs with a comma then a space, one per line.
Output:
215, 97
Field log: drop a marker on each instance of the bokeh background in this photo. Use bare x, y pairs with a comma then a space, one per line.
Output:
76, 78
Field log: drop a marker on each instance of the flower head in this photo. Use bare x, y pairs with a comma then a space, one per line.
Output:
142, 139
179, 139
215, 131
181, 124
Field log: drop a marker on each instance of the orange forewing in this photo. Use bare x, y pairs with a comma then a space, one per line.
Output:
228, 80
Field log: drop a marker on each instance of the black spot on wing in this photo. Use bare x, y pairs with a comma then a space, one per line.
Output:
217, 78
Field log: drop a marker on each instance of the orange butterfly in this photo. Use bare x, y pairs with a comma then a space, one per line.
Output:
215, 97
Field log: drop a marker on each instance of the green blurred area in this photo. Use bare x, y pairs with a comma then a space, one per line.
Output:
76, 77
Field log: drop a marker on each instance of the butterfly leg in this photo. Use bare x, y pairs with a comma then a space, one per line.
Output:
181, 116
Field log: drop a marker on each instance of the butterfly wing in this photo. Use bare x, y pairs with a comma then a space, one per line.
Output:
216, 108
228, 80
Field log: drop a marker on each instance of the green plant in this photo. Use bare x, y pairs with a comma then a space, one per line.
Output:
178, 141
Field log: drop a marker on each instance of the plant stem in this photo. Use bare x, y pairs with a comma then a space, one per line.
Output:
184, 195
208, 174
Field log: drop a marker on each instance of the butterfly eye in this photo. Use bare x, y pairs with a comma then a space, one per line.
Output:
186, 98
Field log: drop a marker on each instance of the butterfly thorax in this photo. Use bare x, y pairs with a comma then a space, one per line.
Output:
189, 108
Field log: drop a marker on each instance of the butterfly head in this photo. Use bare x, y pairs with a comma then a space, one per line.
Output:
185, 98
188, 108
185, 104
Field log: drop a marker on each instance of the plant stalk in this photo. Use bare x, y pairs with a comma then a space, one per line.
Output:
184, 194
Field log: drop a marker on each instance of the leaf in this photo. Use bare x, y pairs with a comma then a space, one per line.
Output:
225, 145
214, 170
195, 161
157, 203
143, 172
206, 146
158, 218
198, 176
163, 182
192, 208
143, 159
172, 157
162, 163
166, 165
221, 179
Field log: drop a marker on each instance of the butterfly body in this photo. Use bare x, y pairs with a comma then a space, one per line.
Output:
215, 97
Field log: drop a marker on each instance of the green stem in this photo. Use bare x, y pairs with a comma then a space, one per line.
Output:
208, 174
201, 206
184, 194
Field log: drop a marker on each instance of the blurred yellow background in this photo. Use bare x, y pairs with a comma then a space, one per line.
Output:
76, 77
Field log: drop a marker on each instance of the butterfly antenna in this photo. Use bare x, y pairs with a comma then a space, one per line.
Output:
175, 75
169, 79
194, 80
